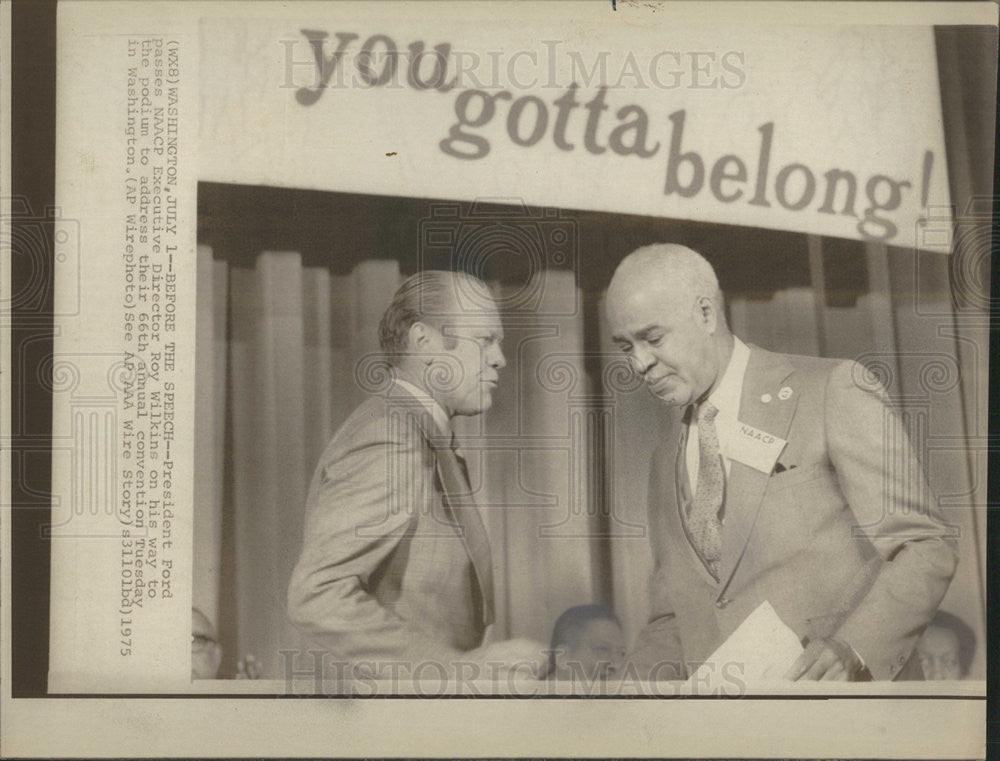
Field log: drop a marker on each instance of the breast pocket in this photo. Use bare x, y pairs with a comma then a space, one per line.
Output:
798, 506
799, 476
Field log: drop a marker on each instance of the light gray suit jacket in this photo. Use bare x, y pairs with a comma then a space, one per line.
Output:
395, 565
844, 539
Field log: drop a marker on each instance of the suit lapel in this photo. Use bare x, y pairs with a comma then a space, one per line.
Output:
459, 498
745, 485
461, 504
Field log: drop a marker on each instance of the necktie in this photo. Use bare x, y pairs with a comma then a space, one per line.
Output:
461, 459
458, 496
703, 518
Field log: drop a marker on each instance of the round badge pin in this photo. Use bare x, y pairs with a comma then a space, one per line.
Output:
785, 393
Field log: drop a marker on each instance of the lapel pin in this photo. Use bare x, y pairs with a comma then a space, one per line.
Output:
785, 393
766, 398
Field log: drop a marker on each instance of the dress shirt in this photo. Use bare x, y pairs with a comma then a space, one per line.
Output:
725, 397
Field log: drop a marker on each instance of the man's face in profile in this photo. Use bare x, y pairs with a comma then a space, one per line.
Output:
938, 650
597, 651
467, 372
206, 653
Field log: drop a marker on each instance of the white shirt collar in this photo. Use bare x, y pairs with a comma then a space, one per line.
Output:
438, 414
725, 397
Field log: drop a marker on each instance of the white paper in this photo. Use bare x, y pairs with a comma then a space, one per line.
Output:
763, 645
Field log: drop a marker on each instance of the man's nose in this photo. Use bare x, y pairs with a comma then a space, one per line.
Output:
641, 360
495, 357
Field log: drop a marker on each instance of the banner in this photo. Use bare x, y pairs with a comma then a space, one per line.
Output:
826, 130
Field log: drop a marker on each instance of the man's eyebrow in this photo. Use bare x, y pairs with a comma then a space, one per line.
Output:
641, 334
645, 332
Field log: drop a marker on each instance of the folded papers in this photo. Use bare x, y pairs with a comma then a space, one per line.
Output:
761, 649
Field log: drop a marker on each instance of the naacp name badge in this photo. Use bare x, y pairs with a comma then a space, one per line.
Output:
756, 448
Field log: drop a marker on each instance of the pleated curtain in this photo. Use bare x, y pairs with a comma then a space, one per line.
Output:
286, 351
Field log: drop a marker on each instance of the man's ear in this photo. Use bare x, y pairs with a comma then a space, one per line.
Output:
421, 340
706, 313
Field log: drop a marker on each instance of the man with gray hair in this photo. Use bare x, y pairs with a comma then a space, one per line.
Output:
780, 478
396, 568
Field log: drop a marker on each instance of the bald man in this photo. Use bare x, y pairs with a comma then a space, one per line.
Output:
780, 478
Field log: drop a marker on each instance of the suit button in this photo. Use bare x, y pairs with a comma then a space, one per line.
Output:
722, 602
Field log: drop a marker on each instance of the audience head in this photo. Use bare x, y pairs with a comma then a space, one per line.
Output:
945, 649
587, 643
206, 653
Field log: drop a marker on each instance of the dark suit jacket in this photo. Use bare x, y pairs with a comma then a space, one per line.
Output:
395, 564
844, 541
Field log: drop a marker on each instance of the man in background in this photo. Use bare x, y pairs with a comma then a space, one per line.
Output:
587, 645
779, 478
206, 652
946, 647
396, 567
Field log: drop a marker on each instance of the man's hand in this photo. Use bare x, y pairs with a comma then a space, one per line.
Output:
525, 657
828, 660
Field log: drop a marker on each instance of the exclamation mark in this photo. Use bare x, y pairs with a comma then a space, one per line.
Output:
928, 165
925, 187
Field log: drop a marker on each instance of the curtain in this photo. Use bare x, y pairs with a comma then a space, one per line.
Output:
561, 460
